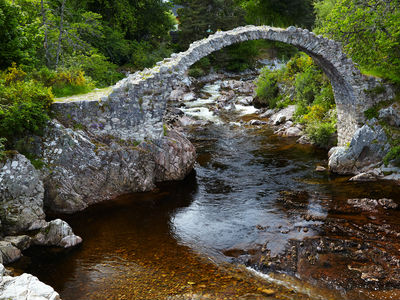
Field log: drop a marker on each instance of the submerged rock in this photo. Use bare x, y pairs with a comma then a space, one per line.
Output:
25, 287
57, 233
21, 195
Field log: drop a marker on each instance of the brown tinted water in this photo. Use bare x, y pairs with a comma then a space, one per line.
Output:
171, 241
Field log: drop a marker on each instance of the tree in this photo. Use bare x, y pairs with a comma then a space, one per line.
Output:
19, 33
199, 18
370, 32
281, 13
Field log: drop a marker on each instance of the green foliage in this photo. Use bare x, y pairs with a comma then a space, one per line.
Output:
321, 133
96, 66
373, 112
24, 106
281, 13
267, 87
370, 31
200, 18
25, 110
196, 72
18, 38
393, 155
2, 148
301, 83
237, 58
64, 82
145, 54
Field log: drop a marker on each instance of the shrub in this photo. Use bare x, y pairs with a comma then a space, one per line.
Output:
196, 72
393, 155
307, 85
146, 55
303, 83
64, 82
2, 149
96, 66
267, 89
24, 108
321, 133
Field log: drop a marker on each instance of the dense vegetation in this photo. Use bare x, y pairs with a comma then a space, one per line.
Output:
302, 83
369, 30
56, 48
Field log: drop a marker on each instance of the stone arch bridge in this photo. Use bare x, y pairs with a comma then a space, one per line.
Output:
134, 108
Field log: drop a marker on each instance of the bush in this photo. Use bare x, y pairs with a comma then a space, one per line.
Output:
24, 108
2, 149
96, 66
64, 82
301, 82
321, 133
393, 155
267, 89
145, 55
196, 72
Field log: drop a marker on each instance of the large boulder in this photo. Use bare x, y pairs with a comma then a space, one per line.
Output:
21, 195
25, 287
283, 115
8, 253
175, 158
83, 169
366, 150
57, 233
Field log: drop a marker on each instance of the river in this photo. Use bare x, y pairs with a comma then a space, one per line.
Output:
180, 240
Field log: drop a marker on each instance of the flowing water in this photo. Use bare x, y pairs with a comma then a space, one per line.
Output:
171, 241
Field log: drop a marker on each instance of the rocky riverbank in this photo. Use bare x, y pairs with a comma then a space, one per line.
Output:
74, 169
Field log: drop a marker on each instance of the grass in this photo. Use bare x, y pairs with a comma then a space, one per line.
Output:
70, 90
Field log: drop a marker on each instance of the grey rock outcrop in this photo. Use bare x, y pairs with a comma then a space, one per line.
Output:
25, 287
82, 170
283, 115
21, 195
175, 159
367, 148
8, 252
57, 233
22, 242
391, 115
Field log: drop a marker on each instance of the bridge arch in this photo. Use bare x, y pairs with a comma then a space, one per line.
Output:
135, 107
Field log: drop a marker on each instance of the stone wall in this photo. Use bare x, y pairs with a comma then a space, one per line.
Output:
134, 109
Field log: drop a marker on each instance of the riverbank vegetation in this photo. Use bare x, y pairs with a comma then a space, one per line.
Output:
302, 83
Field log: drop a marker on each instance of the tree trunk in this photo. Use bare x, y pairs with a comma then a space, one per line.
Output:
60, 36
45, 42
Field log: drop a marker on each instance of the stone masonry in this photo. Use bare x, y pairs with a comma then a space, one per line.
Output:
135, 107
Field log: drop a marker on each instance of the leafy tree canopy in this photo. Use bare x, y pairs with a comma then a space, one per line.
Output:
280, 13
369, 30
